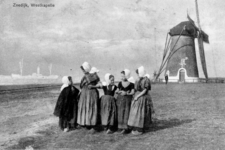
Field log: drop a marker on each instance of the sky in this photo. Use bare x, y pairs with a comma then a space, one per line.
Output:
109, 34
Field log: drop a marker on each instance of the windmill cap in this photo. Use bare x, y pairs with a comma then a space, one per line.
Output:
190, 29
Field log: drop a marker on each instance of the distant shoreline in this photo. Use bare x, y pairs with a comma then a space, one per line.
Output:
26, 5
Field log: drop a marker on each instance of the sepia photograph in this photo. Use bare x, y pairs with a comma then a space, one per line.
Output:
112, 75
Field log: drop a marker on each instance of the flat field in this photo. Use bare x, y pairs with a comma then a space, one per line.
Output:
187, 116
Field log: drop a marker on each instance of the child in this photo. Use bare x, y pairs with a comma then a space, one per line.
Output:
108, 104
66, 106
125, 93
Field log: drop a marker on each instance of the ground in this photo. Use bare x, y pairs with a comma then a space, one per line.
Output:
187, 116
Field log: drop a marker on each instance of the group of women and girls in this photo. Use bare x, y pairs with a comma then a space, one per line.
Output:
126, 107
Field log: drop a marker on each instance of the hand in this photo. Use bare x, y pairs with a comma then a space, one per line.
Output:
90, 86
135, 98
123, 93
118, 92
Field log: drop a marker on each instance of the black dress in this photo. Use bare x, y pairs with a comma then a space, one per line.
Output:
108, 106
66, 107
123, 105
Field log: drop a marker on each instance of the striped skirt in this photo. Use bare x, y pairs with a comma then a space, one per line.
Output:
88, 107
123, 110
140, 112
108, 110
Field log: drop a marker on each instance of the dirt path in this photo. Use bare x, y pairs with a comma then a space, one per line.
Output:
24, 115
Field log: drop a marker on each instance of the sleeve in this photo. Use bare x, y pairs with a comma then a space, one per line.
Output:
131, 86
92, 78
59, 103
76, 91
147, 84
104, 87
98, 79
83, 82
119, 86
115, 88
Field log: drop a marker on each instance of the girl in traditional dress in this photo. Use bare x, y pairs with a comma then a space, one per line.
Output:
108, 104
88, 102
125, 93
140, 113
66, 106
108, 111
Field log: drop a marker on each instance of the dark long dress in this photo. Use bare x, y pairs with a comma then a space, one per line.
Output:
88, 102
66, 107
108, 106
140, 113
123, 105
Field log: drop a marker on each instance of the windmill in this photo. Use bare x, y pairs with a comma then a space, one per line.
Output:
179, 58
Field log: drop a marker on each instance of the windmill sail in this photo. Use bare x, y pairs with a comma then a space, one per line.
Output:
202, 54
202, 37
205, 37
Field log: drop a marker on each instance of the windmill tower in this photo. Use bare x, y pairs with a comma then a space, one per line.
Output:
179, 58
183, 64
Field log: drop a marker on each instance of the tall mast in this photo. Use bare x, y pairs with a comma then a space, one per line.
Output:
213, 54
155, 48
38, 70
21, 67
50, 69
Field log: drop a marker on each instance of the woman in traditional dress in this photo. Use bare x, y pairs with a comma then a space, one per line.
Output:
66, 106
125, 92
88, 102
140, 113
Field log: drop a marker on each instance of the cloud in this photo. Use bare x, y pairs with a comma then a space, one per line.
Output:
110, 34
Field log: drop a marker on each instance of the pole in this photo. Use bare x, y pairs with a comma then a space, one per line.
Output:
155, 48
21, 67
50, 69
213, 55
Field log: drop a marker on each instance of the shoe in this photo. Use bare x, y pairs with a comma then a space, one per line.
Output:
123, 131
78, 127
109, 131
136, 133
66, 130
92, 131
